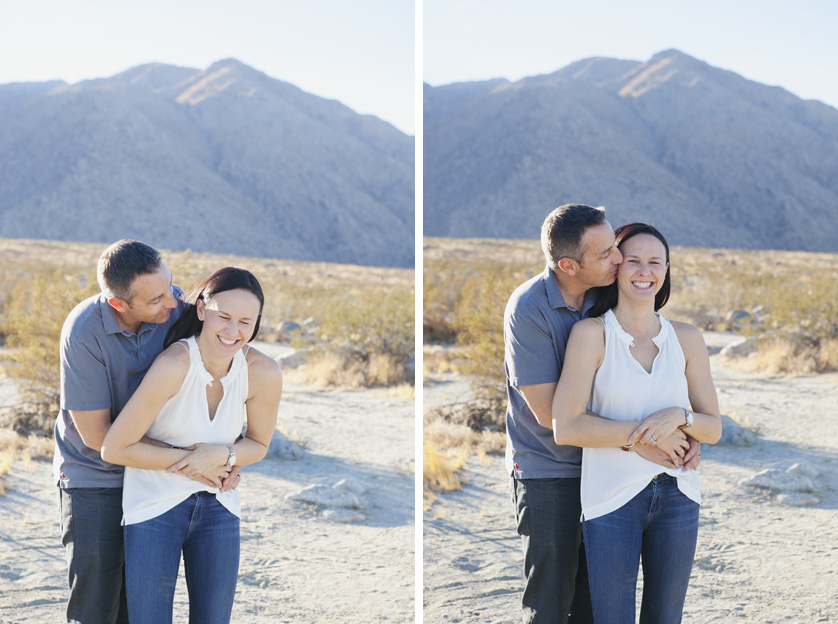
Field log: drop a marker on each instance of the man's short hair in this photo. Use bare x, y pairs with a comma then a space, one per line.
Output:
563, 229
122, 263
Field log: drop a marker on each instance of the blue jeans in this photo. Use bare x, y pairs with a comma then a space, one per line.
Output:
91, 531
547, 514
208, 536
659, 526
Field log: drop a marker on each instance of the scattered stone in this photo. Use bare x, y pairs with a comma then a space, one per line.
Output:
797, 499
328, 496
478, 414
734, 434
283, 448
293, 360
739, 348
780, 481
288, 327
736, 316
803, 468
351, 485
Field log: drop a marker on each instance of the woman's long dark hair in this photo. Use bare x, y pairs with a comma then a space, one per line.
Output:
606, 296
228, 278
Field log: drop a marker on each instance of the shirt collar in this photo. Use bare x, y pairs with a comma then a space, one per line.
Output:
554, 293
111, 322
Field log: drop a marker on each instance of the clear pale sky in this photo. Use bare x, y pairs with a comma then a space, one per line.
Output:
360, 52
790, 44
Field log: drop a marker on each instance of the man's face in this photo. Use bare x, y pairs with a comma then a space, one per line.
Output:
601, 257
152, 300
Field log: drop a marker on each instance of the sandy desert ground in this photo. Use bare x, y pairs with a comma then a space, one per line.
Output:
311, 552
768, 536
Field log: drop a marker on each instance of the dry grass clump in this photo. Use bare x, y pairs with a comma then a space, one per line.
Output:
329, 369
439, 471
790, 357
14, 446
449, 437
440, 360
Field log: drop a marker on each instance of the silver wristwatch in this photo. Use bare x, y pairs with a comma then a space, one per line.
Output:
688, 416
231, 459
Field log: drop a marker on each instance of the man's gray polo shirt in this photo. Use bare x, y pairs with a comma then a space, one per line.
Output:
536, 325
101, 367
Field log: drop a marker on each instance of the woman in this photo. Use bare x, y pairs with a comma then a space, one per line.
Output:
195, 398
630, 365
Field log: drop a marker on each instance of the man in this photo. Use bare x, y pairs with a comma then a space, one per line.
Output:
579, 247
108, 342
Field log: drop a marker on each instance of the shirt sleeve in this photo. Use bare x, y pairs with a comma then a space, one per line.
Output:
529, 350
84, 376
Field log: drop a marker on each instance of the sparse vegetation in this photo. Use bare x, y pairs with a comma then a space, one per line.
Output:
355, 324
785, 297
785, 302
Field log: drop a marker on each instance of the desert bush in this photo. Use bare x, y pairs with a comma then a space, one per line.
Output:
365, 314
32, 319
479, 324
439, 471
361, 339
788, 295
447, 445
14, 446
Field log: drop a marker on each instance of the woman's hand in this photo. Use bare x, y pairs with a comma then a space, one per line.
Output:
207, 463
657, 426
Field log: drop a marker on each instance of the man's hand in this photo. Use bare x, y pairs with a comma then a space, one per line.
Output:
692, 458
232, 480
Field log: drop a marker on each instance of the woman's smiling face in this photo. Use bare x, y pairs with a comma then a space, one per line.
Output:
229, 318
644, 267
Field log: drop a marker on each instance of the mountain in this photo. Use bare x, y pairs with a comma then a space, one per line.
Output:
710, 157
226, 159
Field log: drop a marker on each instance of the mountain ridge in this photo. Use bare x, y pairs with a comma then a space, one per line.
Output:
713, 158
224, 159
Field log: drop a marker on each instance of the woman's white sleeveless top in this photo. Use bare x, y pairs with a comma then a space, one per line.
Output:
624, 390
183, 421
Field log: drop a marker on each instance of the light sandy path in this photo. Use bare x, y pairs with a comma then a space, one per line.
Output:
759, 560
296, 564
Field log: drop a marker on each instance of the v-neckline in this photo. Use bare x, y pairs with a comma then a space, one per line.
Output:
628, 339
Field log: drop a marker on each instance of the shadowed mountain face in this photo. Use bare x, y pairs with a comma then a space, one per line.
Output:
711, 158
226, 160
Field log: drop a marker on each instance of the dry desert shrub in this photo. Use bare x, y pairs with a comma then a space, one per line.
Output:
784, 295
449, 438
14, 446
364, 316
439, 471
361, 340
439, 360
32, 317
